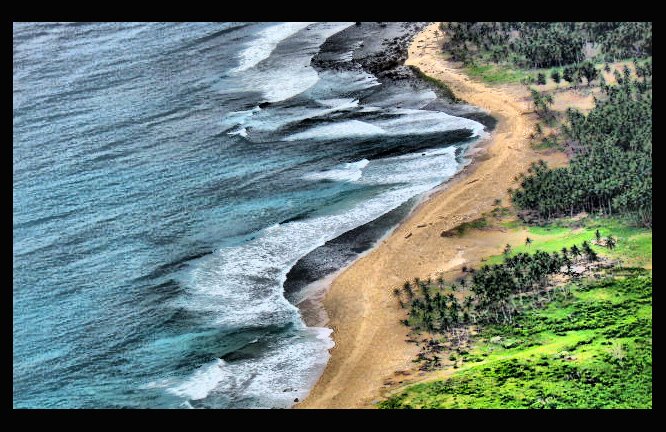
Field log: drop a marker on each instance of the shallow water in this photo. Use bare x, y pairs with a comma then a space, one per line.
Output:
158, 208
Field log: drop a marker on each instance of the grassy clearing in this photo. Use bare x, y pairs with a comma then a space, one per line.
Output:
496, 74
591, 348
466, 226
634, 244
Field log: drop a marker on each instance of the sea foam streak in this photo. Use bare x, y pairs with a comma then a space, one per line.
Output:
280, 77
350, 128
265, 42
274, 380
403, 122
205, 379
347, 172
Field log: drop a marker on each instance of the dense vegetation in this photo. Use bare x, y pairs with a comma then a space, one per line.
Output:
611, 167
547, 44
590, 347
499, 291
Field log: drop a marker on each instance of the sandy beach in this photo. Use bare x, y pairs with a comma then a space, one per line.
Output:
371, 356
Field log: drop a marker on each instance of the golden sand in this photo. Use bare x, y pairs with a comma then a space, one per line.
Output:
370, 343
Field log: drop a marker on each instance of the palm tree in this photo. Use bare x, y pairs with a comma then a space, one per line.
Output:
575, 251
611, 242
528, 241
408, 290
589, 252
567, 263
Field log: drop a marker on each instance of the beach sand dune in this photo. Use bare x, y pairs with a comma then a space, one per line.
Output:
371, 355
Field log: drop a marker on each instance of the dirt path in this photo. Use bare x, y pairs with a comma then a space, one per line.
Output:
370, 349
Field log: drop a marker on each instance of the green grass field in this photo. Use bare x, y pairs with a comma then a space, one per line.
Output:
634, 244
590, 349
496, 74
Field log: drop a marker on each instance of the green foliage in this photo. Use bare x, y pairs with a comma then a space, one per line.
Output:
588, 70
591, 349
627, 39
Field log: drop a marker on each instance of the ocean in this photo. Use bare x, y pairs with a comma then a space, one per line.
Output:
178, 187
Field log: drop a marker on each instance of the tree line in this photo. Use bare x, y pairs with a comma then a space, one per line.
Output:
547, 44
496, 290
611, 168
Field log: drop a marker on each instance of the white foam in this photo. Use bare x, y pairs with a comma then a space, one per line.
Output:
271, 120
412, 121
346, 172
235, 118
290, 74
401, 122
285, 83
263, 45
327, 92
348, 128
204, 379
288, 369
428, 170
339, 103
242, 132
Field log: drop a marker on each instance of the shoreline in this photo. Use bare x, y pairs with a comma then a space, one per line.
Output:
370, 349
312, 308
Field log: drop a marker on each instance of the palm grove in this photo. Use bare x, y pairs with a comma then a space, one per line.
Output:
546, 44
611, 168
499, 291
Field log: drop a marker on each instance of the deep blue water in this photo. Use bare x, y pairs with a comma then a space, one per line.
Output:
158, 208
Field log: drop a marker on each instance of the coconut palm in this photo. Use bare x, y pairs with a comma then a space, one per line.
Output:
575, 251
611, 242
407, 287
589, 252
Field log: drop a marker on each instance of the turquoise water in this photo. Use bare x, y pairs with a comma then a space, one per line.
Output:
158, 207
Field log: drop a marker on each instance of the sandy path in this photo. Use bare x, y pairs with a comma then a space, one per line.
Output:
370, 341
